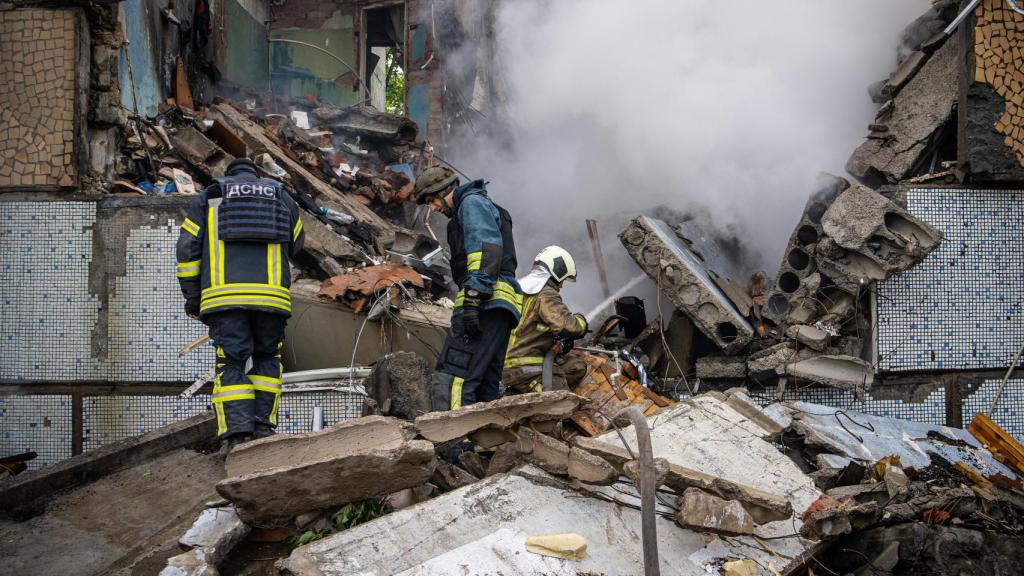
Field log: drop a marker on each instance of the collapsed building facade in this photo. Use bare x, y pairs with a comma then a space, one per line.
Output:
897, 297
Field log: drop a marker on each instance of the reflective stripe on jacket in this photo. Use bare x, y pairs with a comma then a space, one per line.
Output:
483, 250
228, 275
544, 317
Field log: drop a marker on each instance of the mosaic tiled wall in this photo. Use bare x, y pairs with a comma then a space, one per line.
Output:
50, 319
39, 423
960, 309
38, 54
110, 418
1008, 414
931, 409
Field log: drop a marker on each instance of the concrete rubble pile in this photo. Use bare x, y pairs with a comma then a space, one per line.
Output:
810, 321
788, 486
350, 170
804, 324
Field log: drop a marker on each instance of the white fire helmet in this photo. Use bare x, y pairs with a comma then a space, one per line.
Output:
558, 262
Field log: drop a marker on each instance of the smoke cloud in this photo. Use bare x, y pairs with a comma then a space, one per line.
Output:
723, 111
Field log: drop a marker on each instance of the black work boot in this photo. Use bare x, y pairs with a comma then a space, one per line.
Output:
263, 431
228, 444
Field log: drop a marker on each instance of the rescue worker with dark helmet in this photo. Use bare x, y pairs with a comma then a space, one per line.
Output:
232, 254
545, 318
483, 261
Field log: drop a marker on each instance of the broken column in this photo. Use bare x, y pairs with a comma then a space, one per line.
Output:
683, 277
789, 293
286, 475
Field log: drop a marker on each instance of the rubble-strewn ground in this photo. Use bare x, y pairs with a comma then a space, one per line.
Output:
126, 523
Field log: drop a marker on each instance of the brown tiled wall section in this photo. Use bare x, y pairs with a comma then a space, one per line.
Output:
37, 97
998, 46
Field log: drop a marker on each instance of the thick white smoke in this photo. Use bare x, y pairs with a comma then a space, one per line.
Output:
726, 108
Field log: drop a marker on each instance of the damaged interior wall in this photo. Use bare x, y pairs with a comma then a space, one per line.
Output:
243, 55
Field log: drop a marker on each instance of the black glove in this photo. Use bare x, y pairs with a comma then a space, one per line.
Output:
192, 307
470, 319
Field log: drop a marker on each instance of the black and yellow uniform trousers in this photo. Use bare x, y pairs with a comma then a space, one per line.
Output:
469, 369
246, 403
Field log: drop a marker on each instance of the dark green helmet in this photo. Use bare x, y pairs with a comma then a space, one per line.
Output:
432, 181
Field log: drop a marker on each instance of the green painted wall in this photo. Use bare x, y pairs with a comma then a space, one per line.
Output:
246, 57
298, 70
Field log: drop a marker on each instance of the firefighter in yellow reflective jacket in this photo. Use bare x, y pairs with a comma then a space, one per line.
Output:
232, 254
487, 306
545, 317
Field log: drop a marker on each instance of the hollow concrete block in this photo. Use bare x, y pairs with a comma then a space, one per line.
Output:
685, 280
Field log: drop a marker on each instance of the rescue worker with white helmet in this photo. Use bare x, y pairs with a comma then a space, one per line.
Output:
544, 318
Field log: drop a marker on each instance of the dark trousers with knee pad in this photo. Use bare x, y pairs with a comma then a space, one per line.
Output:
469, 370
246, 403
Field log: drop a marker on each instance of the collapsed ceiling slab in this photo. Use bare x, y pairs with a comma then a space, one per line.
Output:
686, 281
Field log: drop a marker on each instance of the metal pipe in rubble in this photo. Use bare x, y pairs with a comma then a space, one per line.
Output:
548, 371
649, 531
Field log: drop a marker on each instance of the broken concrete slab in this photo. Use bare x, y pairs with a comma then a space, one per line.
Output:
772, 418
814, 338
906, 71
788, 291
838, 518
109, 458
323, 246
286, 475
549, 454
200, 152
491, 437
763, 506
686, 281
844, 372
368, 122
127, 522
216, 531
590, 469
692, 436
920, 110
768, 360
721, 367
502, 413
701, 511
469, 526
473, 463
873, 238
340, 440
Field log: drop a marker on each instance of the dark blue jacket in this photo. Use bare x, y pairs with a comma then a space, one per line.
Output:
483, 250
